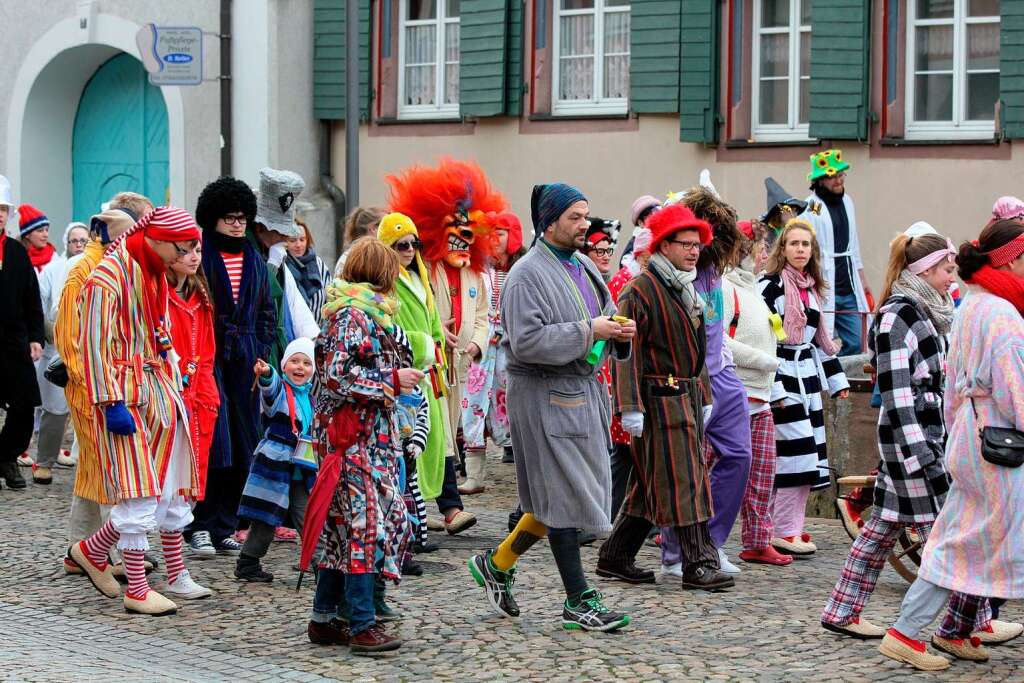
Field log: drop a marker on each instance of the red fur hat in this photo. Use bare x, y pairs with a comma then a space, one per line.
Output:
670, 219
431, 196
509, 222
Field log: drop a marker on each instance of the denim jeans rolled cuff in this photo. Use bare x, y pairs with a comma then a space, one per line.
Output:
329, 599
359, 594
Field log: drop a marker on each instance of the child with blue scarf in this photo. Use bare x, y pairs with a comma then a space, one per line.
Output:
284, 466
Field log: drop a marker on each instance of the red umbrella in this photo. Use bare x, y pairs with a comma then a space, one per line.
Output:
343, 431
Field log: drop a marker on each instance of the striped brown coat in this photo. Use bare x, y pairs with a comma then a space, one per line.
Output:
669, 485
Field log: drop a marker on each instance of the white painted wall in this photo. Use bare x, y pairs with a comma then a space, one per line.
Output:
250, 91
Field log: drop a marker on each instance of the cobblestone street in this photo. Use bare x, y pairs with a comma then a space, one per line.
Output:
58, 628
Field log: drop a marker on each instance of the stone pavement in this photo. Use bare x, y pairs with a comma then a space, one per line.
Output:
58, 628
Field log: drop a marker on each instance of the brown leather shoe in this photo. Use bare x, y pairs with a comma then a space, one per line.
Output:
334, 632
372, 640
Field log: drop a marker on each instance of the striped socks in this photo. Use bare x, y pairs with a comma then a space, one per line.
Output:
171, 543
98, 546
135, 570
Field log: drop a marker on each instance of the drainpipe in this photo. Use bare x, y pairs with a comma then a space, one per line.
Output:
352, 102
334, 193
225, 87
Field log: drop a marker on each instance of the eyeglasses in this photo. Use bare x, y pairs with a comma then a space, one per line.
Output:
603, 251
235, 220
407, 246
687, 246
81, 242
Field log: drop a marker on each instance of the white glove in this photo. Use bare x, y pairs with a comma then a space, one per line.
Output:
415, 452
277, 253
633, 422
707, 413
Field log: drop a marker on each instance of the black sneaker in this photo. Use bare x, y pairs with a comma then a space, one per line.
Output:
249, 569
507, 456
496, 583
590, 614
10, 474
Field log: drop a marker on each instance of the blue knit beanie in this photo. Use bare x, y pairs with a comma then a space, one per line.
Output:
549, 202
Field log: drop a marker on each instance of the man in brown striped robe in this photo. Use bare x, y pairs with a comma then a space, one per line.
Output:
660, 391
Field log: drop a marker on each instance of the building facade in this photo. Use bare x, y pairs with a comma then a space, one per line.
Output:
631, 97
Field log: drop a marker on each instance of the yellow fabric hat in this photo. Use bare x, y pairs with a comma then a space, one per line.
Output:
394, 227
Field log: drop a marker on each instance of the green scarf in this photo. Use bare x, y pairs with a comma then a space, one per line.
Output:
342, 294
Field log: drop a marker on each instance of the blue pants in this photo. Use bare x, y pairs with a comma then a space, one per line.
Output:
848, 326
334, 589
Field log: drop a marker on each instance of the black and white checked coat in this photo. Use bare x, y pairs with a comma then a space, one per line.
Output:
909, 356
804, 372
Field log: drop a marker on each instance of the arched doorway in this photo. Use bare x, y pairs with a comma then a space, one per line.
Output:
120, 139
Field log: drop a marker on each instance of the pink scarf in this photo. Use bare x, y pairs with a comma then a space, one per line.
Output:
794, 317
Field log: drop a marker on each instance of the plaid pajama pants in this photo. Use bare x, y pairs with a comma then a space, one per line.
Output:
966, 613
756, 512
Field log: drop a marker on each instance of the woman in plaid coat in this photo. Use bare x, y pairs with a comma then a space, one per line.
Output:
908, 342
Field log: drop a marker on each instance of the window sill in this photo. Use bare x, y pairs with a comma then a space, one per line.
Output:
392, 127
918, 142
765, 144
579, 117
415, 121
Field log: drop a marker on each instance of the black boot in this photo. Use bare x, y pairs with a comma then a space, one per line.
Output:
9, 473
248, 569
380, 606
508, 457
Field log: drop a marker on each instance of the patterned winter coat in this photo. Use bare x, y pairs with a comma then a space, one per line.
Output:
910, 358
121, 363
366, 525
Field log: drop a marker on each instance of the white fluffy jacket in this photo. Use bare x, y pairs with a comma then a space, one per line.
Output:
753, 348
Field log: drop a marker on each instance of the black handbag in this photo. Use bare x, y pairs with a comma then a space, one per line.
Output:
56, 373
1003, 446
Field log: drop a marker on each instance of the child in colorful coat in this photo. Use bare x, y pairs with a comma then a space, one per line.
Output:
284, 466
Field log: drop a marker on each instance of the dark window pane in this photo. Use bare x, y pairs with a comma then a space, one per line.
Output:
774, 13
805, 12
982, 93
421, 9
577, 4
805, 100
933, 97
775, 54
983, 8
934, 9
452, 8
934, 48
775, 102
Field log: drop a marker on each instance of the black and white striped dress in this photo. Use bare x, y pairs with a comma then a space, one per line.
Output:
804, 372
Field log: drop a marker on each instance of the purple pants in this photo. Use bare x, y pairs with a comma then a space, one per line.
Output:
728, 432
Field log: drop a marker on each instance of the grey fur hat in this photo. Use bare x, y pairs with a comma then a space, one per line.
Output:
275, 205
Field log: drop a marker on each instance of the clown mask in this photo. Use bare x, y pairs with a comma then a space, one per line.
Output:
461, 235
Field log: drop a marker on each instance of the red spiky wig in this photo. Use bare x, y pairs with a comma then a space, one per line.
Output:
432, 196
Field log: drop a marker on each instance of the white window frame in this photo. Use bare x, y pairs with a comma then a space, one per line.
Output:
440, 109
958, 128
793, 129
596, 105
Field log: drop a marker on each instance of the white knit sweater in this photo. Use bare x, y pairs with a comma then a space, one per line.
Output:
753, 348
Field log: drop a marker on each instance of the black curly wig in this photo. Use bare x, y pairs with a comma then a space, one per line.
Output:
223, 196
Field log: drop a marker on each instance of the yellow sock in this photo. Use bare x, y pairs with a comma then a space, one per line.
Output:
527, 532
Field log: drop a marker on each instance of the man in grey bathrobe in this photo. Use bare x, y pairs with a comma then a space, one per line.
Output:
556, 310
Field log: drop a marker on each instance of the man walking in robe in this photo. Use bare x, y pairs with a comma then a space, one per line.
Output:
660, 392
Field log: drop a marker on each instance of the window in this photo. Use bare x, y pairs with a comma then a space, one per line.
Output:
781, 77
591, 44
952, 68
428, 58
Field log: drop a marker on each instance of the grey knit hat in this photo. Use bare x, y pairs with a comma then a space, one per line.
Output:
275, 206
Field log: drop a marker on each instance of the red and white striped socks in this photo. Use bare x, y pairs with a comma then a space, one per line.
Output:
171, 542
135, 570
98, 546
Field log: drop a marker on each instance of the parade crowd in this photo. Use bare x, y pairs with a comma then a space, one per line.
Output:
227, 388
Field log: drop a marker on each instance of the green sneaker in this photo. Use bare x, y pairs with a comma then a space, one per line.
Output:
496, 583
590, 614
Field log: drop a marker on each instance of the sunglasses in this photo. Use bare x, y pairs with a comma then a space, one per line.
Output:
407, 246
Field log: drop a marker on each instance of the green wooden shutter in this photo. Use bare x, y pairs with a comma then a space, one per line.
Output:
1011, 68
482, 54
840, 58
329, 59
514, 59
698, 82
654, 55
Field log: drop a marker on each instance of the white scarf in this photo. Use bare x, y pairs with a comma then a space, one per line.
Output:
679, 280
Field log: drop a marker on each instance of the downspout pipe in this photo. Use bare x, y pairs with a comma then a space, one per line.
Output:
225, 88
334, 193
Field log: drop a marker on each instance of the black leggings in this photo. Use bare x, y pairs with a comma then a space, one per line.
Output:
565, 547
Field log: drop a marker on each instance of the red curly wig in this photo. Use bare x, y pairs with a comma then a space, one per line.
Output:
432, 196
669, 220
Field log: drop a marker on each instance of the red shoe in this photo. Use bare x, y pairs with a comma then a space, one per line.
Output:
241, 535
373, 639
768, 555
286, 535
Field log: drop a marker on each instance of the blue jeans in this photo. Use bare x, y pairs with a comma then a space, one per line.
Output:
338, 594
848, 326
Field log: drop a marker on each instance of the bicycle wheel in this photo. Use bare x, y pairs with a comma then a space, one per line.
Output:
905, 557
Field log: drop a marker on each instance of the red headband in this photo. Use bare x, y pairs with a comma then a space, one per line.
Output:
169, 224
1006, 253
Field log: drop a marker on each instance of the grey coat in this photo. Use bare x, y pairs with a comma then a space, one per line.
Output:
558, 412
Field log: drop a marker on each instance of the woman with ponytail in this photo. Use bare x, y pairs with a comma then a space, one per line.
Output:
974, 545
793, 288
908, 347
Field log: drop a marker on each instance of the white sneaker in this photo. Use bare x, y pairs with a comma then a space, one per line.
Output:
65, 459
672, 570
25, 460
186, 588
201, 544
725, 565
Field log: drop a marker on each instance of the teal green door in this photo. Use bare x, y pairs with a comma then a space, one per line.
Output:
120, 140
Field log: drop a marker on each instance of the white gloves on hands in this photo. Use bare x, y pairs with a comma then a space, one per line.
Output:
415, 452
633, 423
707, 413
276, 255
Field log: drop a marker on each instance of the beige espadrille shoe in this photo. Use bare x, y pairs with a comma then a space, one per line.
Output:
999, 632
102, 579
913, 652
154, 604
962, 648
